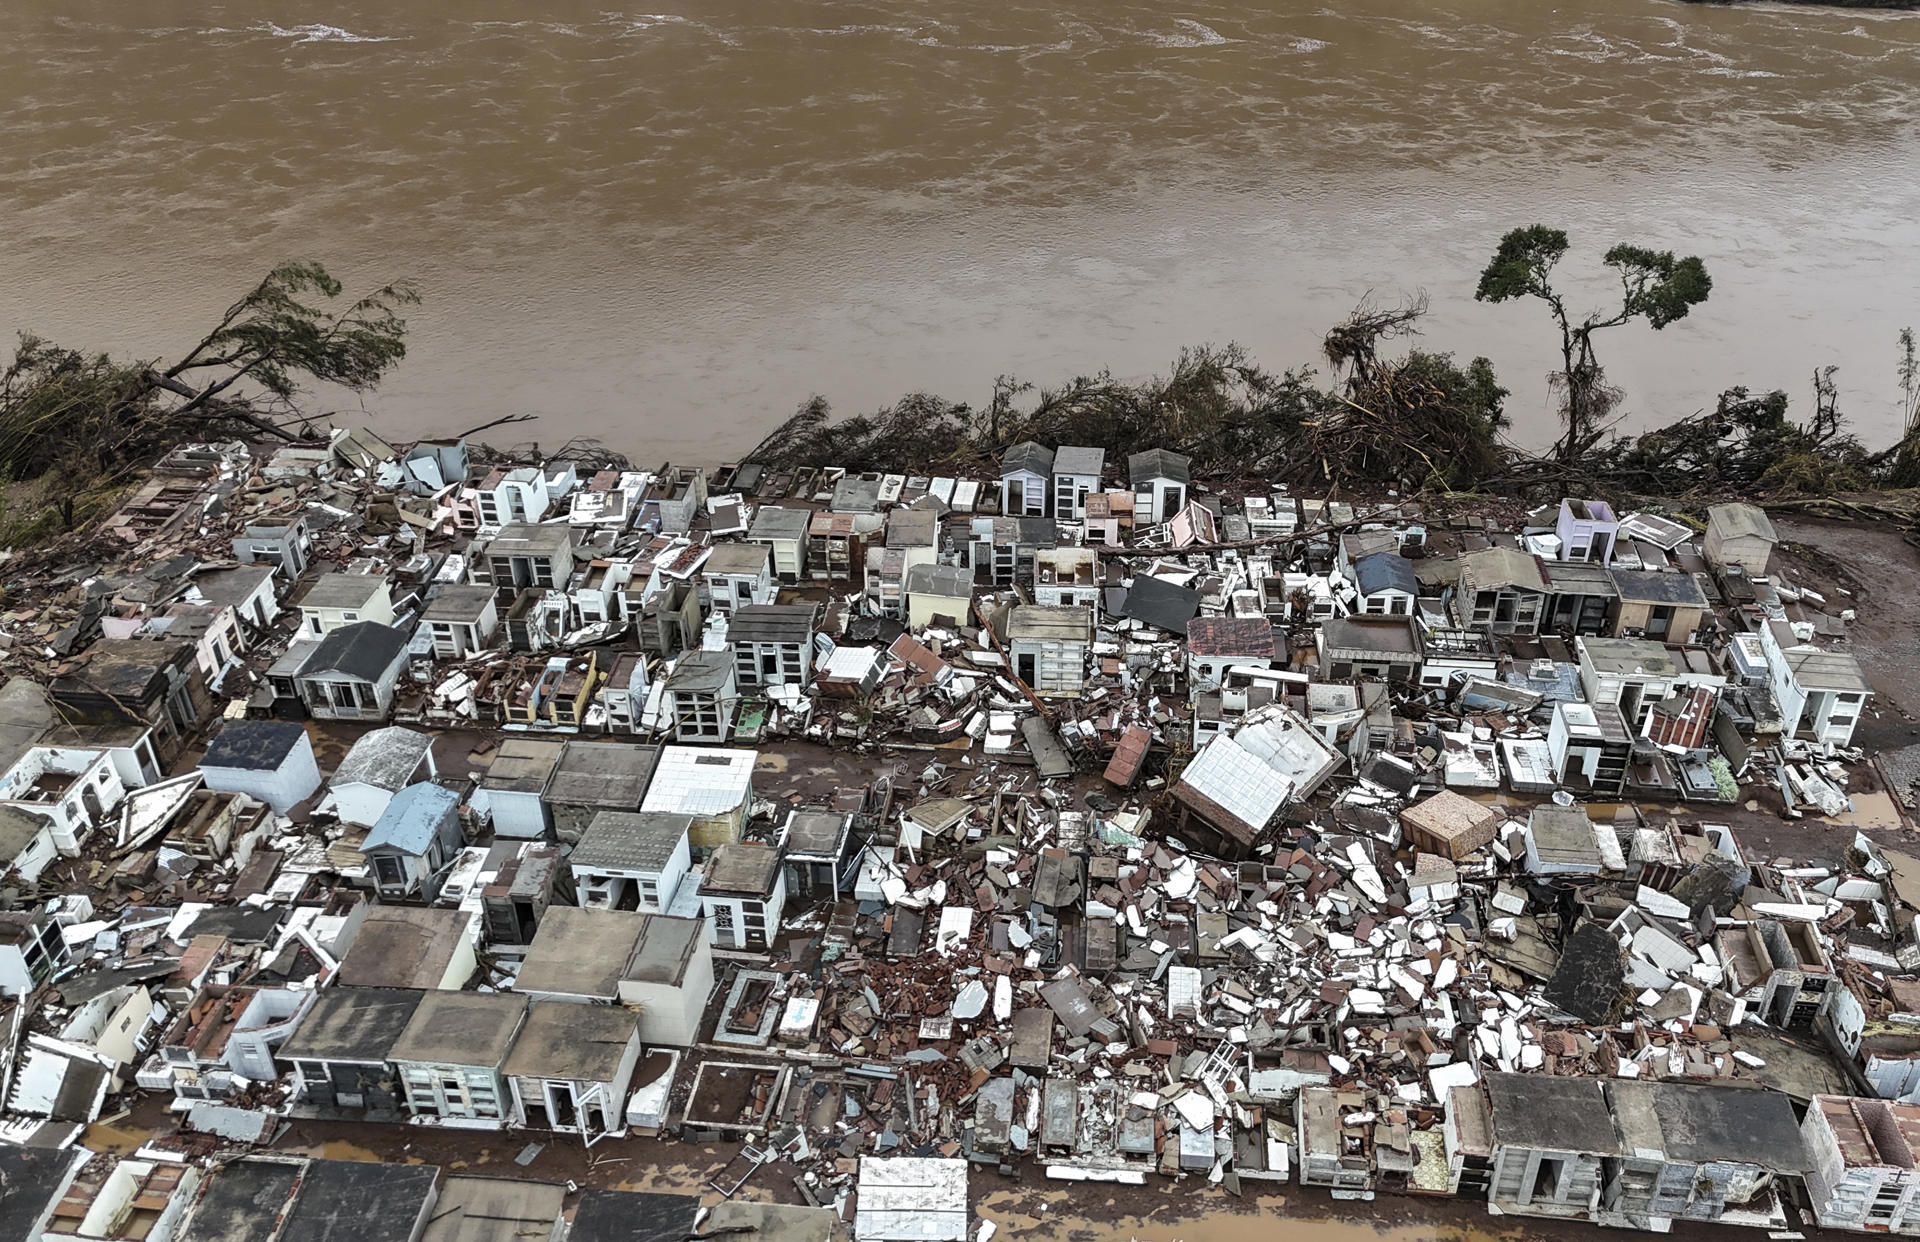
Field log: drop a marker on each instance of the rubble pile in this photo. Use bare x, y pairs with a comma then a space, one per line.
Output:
1161, 991
890, 826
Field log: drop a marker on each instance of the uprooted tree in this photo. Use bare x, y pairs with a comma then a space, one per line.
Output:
88, 420
1655, 286
1418, 421
279, 336
1746, 443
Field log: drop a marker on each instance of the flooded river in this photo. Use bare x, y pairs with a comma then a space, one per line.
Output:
667, 228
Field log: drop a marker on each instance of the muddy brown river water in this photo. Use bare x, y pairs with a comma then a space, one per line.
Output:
667, 228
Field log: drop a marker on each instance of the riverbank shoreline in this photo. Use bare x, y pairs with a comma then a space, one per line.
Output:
665, 224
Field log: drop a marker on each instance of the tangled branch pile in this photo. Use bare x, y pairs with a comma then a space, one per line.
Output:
918, 432
53, 399
1745, 444
1415, 421
1420, 421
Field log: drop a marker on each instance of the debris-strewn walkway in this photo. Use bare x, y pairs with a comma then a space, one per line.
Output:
897, 849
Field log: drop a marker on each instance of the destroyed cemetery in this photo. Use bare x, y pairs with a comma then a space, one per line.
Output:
874, 841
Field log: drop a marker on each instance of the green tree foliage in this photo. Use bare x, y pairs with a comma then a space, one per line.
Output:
90, 419
917, 432
1215, 405
53, 397
1439, 425
281, 335
1655, 286
1419, 421
1745, 444
68, 416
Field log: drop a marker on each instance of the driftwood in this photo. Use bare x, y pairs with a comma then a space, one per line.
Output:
1899, 508
498, 422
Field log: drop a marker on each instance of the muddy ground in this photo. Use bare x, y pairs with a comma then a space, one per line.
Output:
1868, 568
1878, 575
1029, 1206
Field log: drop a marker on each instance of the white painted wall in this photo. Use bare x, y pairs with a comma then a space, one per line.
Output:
294, 781
670, 1015
359, 803
522, 816
93, 789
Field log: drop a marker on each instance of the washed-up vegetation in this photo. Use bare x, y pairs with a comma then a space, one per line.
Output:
1412, 421
1380, 412
1418, 421
75, 426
